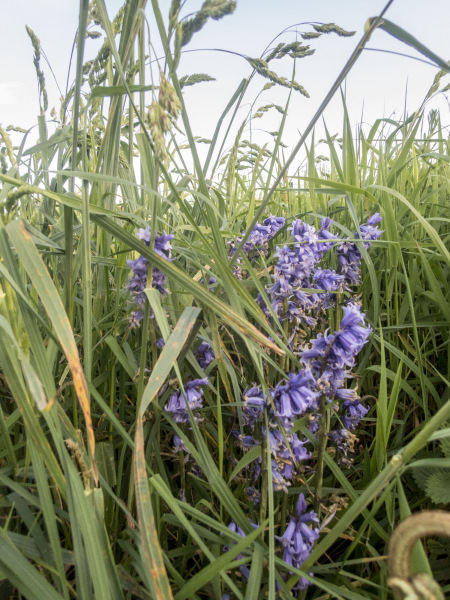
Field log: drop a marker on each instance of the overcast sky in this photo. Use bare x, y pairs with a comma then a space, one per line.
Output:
375, 88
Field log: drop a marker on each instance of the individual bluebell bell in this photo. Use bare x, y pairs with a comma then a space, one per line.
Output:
162, 245
345, 442
353, 412
280, 484
347, 394
253, 406
136, 318
160, 343
245, 442
325, 234
253, 494
368, 231
293, 313
180, 446
299, 538
204, 355
327, 279
287, 451
351, 337
194, 397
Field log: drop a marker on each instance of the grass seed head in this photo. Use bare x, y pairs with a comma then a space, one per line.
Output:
168, 98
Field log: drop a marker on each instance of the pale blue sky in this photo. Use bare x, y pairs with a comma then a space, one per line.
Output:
378, 81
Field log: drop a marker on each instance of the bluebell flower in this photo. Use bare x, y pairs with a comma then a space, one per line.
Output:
368, 231
344, 442
259, 238
162, 245
180, 446
286, 455
253, 495
307, 247
136, 318
235, 529
325, 234
138, 281
159, 281
283, 284
299, 538
351, 337
275, 223
327, 279
160, 343
204, 355
253, 406
294, 397
245, 442
139, 267
194, 397
353, 413
280, 484
349, 255
330, 354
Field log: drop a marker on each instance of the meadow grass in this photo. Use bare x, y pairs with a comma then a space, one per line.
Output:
96, 501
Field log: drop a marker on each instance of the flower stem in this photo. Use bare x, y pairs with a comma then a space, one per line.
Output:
263, 507
321, 448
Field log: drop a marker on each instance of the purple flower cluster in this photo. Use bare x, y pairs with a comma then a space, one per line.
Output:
349, 255
294, 397
284, 403
299, 538
329, 358
258, 241
194, 398
235, 529
297, 269
139, 267
204, 355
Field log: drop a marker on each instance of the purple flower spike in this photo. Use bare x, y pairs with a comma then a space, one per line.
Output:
139, 267
299, 538
349, 255
177, 403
